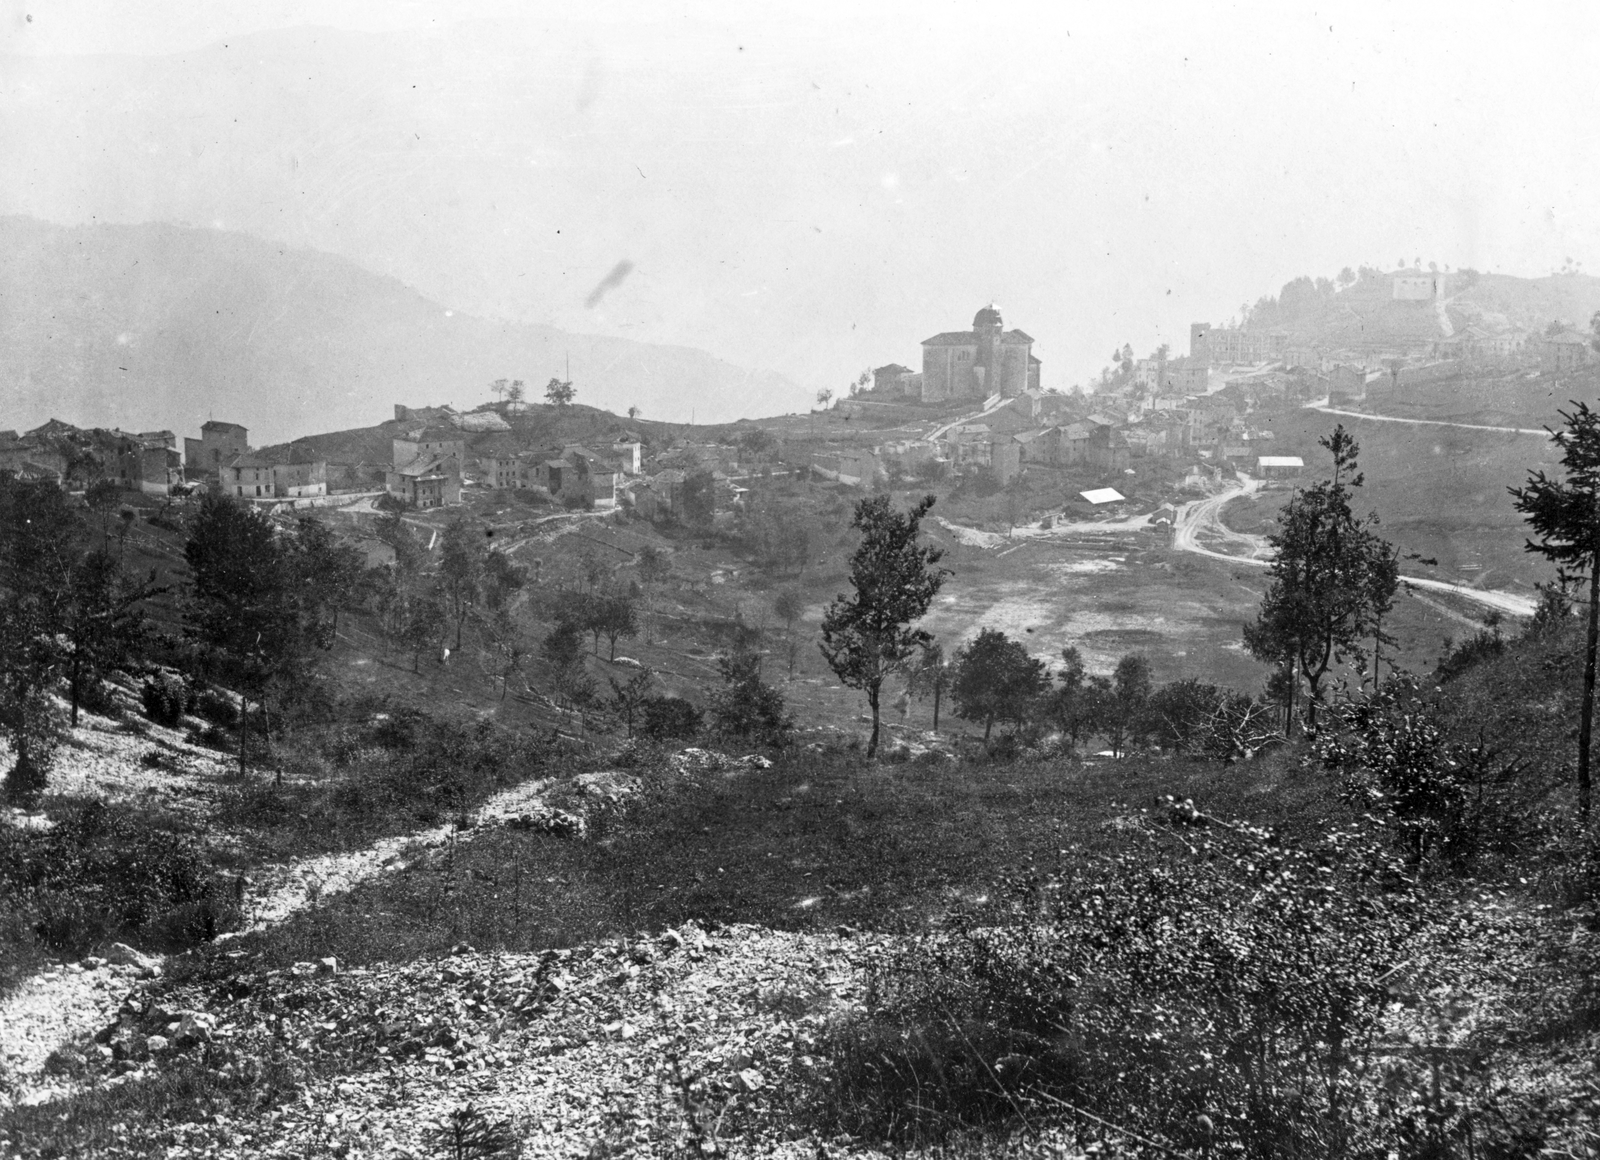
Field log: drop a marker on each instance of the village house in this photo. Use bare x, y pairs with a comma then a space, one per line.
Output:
1565, 351
890, 379
148, 462
849, 465
247, 477
1040, 446
219, 443
431, 442
1224, 346
1187, 376
1107, 449
31, 457
629, 454
1005, 458
300, 478
428, 481
510, 472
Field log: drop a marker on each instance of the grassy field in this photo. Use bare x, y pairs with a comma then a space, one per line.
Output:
816, 841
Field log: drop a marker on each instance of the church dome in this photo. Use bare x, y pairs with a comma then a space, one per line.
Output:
988, 316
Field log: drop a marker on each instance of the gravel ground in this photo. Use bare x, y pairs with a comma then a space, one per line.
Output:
55, 1007
64, 1004
627, 1047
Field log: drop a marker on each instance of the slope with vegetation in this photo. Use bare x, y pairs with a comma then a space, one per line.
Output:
1116, 914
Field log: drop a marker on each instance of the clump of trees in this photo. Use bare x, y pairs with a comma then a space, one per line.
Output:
68, 615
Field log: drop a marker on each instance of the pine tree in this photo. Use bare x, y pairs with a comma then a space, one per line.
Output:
1565, 516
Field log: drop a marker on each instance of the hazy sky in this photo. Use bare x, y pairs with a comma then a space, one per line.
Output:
815, 188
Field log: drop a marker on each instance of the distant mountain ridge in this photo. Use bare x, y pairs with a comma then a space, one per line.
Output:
161, 326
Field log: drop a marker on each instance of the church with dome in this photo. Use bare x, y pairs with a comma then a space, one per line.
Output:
973, 364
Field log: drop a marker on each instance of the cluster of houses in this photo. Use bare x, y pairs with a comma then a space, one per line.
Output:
146, 461
437, 451
1138, 418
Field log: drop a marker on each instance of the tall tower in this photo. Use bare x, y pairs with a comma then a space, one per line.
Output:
987, 325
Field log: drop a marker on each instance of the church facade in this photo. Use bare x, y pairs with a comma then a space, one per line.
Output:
976, 363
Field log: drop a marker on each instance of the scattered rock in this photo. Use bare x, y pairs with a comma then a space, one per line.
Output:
125, 956
328, 966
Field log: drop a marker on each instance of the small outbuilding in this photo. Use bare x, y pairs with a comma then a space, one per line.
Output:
1280, 466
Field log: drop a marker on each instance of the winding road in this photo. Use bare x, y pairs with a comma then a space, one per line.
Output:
1326, 410
1205, 515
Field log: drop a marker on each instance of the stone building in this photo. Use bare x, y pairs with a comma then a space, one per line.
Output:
219, 444
973, 364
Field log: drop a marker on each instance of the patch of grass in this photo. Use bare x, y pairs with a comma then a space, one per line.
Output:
817, 841
106, 873
342, 785
214, 1096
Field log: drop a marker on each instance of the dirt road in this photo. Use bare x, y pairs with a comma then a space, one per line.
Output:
1326, 410
1205, 516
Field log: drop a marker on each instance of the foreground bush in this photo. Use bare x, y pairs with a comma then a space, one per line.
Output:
104, 874
1209, 987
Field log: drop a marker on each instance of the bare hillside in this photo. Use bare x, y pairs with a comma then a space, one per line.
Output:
154, 326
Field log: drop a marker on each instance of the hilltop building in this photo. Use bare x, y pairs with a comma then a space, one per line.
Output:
974, 364
219, 443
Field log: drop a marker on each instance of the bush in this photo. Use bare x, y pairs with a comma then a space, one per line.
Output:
746, 707
217, 709
1222, 1002
103, 874
1483, 645
165, 697
670, 719
97, 697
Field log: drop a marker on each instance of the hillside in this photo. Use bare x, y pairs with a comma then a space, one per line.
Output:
1366, 315
160, 326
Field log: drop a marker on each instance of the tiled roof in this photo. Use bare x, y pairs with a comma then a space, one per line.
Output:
970, 338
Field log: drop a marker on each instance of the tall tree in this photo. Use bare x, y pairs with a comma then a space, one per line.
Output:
1120, 703
1324, 584
243, 607
929, 676
326, 573
1071, 705
996, 680
789, 608
560, 393
1565, 517
461, 567
102, 621
37, 541
868, 636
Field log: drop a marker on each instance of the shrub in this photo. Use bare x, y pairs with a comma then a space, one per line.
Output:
104, 873
1220, 1001
669, 719
1442, 799
165, 697
98, 697
217, 709
1483, 645
746, 707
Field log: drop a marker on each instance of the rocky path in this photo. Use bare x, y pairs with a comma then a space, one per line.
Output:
64, 1004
